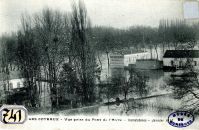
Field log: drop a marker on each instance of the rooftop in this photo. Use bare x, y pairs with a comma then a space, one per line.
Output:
181, 54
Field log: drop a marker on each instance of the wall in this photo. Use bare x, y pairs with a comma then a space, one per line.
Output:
131, 58
148, 64
14, 83
167, 61
117, 72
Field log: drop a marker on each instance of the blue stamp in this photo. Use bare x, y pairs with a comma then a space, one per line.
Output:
180, 119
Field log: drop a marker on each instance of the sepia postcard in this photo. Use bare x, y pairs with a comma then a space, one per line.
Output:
99, 64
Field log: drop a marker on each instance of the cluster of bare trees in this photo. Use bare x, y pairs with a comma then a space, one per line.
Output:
185, 86
54, 47
170, 34
135, 84
177, 33
6, 60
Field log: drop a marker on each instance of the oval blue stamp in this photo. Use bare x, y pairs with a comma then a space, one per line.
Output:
180, 119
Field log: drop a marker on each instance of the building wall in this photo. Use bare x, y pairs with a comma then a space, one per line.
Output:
176, 62
131, 58
15, 83
116, 65
148, 64
116, 61
117, 72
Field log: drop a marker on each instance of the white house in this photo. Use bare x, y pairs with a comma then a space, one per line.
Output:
178, 58
131, 58
16, 83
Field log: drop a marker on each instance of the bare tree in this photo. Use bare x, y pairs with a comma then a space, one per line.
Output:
51, 33
83, 51
185, 86
28, 58
136, 84
8, 58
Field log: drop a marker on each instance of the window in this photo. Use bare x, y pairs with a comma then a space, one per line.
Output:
18, 85
10, 86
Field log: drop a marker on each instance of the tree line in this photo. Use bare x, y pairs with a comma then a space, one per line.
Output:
54, 47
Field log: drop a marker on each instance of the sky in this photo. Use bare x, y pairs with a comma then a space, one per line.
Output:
115, 13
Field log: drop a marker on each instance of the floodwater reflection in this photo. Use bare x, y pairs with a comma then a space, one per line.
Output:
160, 106
161, 103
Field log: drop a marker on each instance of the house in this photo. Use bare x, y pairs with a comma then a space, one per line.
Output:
132, 58
15, 84
177, 59
16, 81
14, 88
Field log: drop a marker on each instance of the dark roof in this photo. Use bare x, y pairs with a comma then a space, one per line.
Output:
181, 54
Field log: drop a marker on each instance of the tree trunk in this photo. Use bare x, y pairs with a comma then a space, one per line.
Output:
156, 50
107, 54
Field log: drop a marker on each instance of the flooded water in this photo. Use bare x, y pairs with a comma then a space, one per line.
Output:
156, 106
157, 81
156, 85
160, 101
